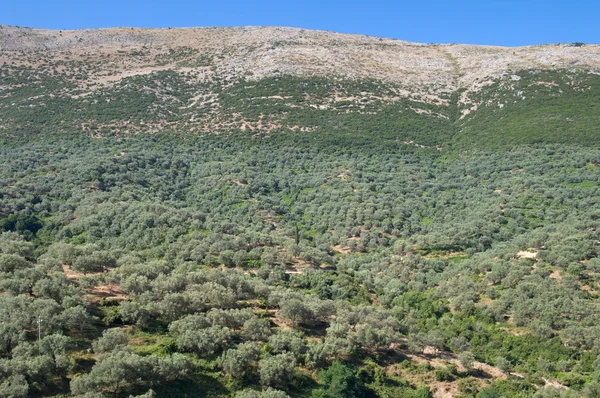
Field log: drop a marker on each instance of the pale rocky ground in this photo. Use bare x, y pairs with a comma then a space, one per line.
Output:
429, 71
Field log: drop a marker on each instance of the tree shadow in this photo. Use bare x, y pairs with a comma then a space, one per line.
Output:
202, 386
301, 386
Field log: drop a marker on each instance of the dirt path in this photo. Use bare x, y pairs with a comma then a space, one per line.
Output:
110, 291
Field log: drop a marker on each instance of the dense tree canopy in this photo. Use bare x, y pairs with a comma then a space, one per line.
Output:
275, 263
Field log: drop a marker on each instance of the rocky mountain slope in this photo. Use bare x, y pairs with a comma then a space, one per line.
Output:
264, 79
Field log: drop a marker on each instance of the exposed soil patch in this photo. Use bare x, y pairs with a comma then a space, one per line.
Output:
531, 253
342, 249
99, 292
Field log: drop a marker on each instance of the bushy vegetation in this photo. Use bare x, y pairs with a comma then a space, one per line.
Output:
522, 107
270, 266
167, 234
534, 107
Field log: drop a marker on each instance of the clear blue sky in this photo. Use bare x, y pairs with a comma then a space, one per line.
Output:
497, 22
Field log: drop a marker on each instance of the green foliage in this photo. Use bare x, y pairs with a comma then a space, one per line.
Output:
536, 107
112, 339
338, 381
242, 260
511, 387
14, 387
277, 370
121, 369
24, 224
466, 360
268, 393
240, 362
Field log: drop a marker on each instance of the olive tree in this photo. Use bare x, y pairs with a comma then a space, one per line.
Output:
277, 370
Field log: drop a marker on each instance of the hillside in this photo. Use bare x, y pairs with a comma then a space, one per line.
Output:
266, 212
282, 79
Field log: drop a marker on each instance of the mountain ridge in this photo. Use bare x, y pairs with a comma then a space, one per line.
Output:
275, 27
208, 38
263, 79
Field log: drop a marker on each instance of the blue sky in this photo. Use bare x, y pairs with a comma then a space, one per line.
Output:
496, 22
